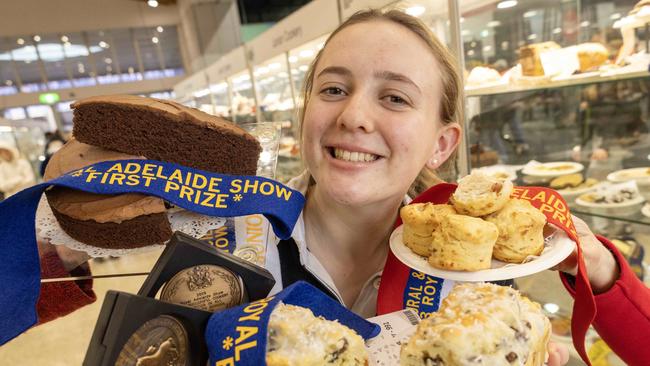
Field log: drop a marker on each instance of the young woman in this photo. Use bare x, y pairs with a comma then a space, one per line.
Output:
380, 108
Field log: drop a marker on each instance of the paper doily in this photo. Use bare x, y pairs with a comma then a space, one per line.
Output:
190, 223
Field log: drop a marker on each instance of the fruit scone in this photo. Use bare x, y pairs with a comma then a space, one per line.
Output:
297, 337
480, 324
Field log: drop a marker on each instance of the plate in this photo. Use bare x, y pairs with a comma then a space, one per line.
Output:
554, 169
573, 193
508, 172
636, 174
557, 247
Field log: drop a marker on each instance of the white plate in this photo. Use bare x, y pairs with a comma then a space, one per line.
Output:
570, 194
544, 169
646, 210
636, 174
557, 247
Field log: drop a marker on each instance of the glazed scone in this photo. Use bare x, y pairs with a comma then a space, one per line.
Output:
480, 324
463, 243
297, 337
479, 194
420, 221
521, 231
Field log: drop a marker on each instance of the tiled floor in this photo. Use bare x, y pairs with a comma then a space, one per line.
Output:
63, 342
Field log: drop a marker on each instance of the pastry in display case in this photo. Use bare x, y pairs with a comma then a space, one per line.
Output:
243, 98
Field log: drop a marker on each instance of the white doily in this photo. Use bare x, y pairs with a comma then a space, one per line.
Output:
190, 223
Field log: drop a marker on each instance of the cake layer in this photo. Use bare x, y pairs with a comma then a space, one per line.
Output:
138, 232
81, 205
166, 131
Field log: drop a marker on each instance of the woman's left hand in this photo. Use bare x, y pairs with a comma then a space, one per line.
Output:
602, 268
558, 354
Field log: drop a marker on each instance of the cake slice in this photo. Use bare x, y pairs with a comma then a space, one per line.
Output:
167, 131
130, 127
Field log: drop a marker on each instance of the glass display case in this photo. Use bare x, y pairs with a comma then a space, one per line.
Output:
221, 99
274, 92
557, 96
243, 97
300, 58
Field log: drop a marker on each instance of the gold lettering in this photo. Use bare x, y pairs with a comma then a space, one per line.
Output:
132, 168
235, 186
159, 173
176, 176
119, 178
266, 192
169, 185
202, 184
221, 198
214, 183
243, 347
253, 186
283, 191
226, 362
206, 201
115, 168
132, 180
148, 169
186, 191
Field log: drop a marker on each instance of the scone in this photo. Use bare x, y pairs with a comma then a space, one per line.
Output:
420, 221
297, 337
479, 194
591, 55
463, 243
521, 231
480, 324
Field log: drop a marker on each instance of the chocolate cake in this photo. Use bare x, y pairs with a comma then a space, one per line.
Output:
130, 127
166, 131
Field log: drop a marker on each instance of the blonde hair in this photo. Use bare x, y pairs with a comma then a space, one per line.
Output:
449, 111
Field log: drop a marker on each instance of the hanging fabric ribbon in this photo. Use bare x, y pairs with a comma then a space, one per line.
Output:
195, 190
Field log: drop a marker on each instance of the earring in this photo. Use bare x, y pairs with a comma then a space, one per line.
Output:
435, 162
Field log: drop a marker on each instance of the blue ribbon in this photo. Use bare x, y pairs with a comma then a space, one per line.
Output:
196, 190
422, 293
237, 336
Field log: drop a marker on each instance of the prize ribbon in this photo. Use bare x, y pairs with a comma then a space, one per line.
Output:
192, 189
237, 336
407, 285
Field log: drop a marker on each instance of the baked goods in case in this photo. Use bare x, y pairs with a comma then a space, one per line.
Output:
297, 337
463, 243
421, 220
479, 194
480, 324
521, 231
131, 127
591, 56
530, 60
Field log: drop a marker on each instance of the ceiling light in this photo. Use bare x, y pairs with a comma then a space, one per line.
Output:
532, 37
293, 59
416, 11
108, 60
493, 23
615, 16
64, 39
9, 83
306, 53
37, 38
28, 62
485, 33
154, 39
530, 14
103, 44
20, 41
275, 66
303, 68
159, 29
487, 48
557, 30
152, 3
462, 20
470, 53
506, 4
465, 32
585, 24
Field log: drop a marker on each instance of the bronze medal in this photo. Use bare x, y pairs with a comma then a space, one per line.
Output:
206, 287
159, 341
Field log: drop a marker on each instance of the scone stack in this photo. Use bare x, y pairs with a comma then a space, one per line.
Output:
480, 324
481, 222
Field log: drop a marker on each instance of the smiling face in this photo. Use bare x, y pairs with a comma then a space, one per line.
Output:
373, 121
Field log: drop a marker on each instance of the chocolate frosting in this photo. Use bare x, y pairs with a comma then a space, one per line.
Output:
88, 206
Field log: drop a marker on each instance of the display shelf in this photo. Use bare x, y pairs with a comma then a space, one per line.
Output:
575, 80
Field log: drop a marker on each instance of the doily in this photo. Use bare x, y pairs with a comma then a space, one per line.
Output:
190, 223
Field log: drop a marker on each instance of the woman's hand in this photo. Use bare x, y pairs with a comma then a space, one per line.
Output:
558, 354
602, 269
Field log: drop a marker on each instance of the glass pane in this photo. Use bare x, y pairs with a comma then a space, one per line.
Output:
204, 101
243, 98
221, 100
299, 60
126, 54
24, 53
65, 114
77, 54
171, 53
103, 55
50, 49
8, 83
148, 41
274, 91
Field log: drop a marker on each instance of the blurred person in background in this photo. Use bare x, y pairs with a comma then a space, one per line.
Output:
15, 171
